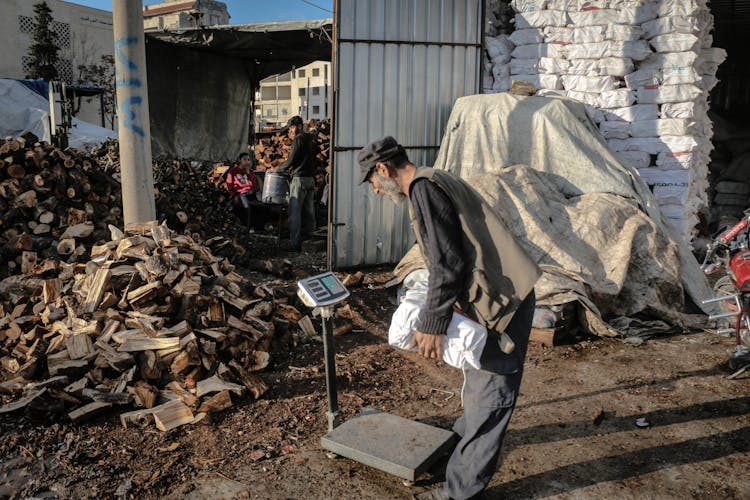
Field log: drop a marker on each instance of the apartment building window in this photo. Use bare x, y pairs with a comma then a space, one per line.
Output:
316, 71
316, 110
284, 112
300, 73
316, 91
301, 92
270, 112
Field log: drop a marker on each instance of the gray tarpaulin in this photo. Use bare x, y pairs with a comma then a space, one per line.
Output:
201, 81
590, 222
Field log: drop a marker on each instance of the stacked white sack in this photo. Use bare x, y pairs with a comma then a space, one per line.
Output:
643, 68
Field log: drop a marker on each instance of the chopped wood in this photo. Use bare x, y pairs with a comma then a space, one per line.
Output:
149, 344
88, 411
187, 397
261, 360
254, 383
143, 293
351, 280
306, 325
21, 403
145, 394
216, 403
215, 384
51, 290
82, 230
172, 414
96, 291
78, 345
28, 261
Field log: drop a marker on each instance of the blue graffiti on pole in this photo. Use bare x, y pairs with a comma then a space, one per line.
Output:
127, 106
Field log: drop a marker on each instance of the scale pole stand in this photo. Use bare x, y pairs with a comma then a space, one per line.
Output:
329, 354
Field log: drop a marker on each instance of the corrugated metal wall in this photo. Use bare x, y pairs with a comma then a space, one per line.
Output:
399, 66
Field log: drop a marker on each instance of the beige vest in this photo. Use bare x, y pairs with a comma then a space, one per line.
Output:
502, 273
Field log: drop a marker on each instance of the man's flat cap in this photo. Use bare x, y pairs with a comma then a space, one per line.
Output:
377, 151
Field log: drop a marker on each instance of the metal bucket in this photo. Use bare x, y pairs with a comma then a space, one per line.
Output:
275, 188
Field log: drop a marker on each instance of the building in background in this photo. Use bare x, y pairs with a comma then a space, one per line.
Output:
84, 35
304, 91
174, 14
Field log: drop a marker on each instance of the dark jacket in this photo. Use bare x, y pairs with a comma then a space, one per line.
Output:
502, 274
301, 161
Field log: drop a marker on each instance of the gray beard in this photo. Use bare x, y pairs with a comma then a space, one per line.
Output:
391, 189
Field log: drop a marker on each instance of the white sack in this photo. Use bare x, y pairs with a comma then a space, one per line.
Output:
536, 51
715, 55
615, 66
677, 76
635, 159
499, 48
615, 130
590, 98
675, 161
634, 113
617, 98
553, 66
590, 34
624, 32
636, 12
523, 66
597, 17
655, 128
596, 84
707, 82
583, 67
464, 339
659, 60
528, 5
527, 37
667, 8
654, 145
541, 19
670, 24
558, 34
642, 78
680, 110
638, 50
541, 81
501, 71
661, 94
675, 42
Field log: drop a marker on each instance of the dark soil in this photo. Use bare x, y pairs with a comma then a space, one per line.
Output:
573, 434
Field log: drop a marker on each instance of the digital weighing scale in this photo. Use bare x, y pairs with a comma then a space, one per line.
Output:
380, 440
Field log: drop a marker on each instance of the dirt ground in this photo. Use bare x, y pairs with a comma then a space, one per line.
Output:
697, 444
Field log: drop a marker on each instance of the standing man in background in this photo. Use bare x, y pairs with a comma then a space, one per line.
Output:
301, 168
475, 264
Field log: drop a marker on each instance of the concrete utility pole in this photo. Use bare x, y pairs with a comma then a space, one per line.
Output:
132, 112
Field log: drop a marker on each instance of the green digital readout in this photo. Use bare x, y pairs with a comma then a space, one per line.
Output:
329, 282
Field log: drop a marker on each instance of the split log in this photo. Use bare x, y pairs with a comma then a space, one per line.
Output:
215, 384
171, 415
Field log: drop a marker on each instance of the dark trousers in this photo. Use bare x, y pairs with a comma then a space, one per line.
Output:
250, 211
301, 209
489, 400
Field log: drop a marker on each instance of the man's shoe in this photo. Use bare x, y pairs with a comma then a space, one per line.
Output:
436, 494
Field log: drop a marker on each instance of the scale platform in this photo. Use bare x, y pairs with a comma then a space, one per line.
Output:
393, 444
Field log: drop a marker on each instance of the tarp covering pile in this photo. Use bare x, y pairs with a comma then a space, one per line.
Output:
589, 221
23, 110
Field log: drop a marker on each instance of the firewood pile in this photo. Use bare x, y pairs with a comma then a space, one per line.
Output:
153, 321
57, 204
270, 152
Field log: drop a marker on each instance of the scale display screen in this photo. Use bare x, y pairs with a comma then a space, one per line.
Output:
322, 290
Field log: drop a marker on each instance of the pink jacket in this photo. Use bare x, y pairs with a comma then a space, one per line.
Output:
240, 181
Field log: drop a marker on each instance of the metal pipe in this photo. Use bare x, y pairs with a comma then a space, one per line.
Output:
132, 112
719, 299
330, 364
723, 315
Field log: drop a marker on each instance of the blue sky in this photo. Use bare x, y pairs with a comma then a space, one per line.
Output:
248, 11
